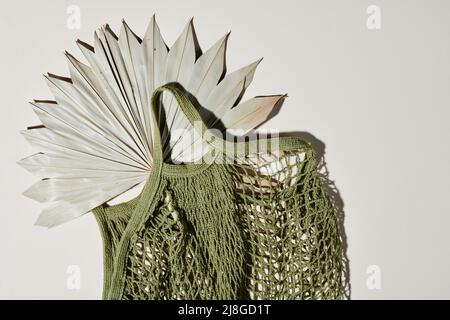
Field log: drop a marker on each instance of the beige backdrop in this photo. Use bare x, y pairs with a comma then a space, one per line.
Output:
378, 100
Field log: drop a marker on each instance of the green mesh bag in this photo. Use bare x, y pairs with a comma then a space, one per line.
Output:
257, 226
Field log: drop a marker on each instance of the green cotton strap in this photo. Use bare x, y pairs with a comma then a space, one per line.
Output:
186, 107
218, 145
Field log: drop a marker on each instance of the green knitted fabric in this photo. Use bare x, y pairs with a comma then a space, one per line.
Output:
261, 227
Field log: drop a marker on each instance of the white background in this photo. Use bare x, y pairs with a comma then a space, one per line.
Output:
378, 100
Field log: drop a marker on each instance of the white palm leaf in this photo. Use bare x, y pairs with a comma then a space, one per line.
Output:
180, 62
95, 142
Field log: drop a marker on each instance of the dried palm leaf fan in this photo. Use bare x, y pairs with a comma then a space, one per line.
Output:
256, 224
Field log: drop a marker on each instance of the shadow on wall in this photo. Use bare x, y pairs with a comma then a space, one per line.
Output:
335, 197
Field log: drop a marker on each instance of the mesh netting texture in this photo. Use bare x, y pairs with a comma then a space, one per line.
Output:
259, 226
262, 228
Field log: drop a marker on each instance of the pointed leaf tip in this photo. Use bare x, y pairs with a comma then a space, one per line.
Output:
41, 222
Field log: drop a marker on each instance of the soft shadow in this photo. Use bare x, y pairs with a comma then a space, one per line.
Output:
335, 197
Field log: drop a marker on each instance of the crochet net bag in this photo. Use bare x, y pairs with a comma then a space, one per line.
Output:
257, 227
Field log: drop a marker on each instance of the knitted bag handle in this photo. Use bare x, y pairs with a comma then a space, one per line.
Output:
217, 144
